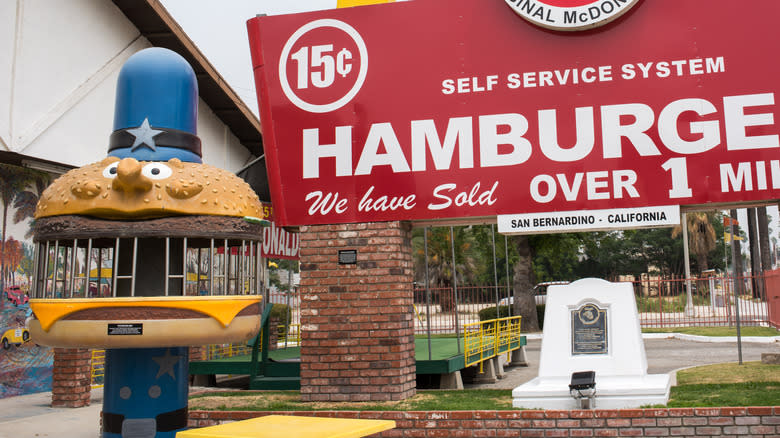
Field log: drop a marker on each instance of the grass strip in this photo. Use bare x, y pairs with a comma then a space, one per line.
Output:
726, 394
729, 373
716, 331
463, 400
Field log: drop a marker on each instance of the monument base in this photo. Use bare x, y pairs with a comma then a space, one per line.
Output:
592, 325
612, 392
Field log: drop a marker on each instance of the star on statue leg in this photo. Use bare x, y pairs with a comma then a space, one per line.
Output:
166, 364
144, 135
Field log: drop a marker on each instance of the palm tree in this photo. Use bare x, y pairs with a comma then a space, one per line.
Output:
439, 264
26, 200
701, 236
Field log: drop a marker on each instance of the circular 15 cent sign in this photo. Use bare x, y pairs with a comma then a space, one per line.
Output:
570, 14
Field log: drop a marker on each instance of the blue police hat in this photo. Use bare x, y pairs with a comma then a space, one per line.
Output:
156, 109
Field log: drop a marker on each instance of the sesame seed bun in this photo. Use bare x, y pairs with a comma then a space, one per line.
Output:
129, 189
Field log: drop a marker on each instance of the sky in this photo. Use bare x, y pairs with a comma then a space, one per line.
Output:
219, 31
218, 28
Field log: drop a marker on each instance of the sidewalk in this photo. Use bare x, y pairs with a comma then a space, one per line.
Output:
32, 416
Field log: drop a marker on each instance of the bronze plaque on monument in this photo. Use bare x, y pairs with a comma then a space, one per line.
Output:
589, 330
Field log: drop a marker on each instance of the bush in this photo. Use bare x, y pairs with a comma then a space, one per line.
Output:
490, 313
281, 312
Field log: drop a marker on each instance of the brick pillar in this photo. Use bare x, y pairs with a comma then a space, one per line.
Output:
199, 352
357, 327
273, 335
71, 380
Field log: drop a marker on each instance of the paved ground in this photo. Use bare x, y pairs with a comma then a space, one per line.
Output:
663, 356
31, 416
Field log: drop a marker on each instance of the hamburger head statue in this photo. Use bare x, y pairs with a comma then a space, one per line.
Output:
148, 251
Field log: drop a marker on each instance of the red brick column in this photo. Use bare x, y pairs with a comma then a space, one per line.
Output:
273, 335
71, 383
198, 353
357, 327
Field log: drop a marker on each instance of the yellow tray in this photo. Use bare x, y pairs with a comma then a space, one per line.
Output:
289, 426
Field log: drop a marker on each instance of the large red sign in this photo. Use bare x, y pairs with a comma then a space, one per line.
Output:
442, 109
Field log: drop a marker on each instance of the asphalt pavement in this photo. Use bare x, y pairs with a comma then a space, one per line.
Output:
31, 416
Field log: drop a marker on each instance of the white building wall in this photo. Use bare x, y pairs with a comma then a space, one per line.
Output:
59, 61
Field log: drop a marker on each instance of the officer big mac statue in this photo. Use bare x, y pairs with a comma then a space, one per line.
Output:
147, 252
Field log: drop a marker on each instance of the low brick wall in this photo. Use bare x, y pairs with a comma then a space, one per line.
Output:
700, 422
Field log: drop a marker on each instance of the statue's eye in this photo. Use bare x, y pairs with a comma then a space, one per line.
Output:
110, 171
156, 170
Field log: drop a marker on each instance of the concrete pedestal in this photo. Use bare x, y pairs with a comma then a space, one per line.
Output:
451, 380
592, 325
488, 374
519, 358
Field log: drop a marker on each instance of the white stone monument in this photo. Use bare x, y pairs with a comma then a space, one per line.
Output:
592, 325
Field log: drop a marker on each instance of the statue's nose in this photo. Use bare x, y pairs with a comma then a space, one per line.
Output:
129, 177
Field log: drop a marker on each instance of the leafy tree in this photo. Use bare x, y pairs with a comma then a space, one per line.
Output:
28, 262
523, 283
439, 261
278, 266
13, 180
12, 258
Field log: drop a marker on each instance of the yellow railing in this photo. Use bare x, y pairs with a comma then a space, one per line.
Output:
487, 339
291, 336
97, 372
219, 351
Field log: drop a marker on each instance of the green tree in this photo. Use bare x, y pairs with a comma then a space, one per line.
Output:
439, 260
13, 180
28, 262
702, 239
523, 284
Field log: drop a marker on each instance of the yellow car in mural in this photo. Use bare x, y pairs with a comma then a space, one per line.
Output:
15, 336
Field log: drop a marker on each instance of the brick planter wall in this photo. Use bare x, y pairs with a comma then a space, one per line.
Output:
71, 386
273, 335
357, 332
700, 422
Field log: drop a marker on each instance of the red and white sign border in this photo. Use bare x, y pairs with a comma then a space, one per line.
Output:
338, 103
593, 13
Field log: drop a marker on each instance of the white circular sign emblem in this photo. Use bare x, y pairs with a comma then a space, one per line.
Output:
570, 14
328, 70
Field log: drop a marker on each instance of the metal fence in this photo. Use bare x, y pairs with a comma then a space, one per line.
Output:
661, 302
439, 313
293, 300
707, 301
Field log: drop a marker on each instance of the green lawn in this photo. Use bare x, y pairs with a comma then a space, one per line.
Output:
727, 384
469, 399
716, 331
751, 384
727, 394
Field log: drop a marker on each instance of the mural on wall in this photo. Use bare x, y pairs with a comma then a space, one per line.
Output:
24, 366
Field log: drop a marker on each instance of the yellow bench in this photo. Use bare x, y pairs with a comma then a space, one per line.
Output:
289, 426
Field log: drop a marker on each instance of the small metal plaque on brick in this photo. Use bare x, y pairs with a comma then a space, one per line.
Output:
133, 329
347, 256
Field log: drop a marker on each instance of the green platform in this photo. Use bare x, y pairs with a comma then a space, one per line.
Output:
274, 373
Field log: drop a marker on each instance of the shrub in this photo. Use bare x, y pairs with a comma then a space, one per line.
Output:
490, 313
281, 312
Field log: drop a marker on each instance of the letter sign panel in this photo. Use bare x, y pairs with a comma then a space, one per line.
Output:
447, 110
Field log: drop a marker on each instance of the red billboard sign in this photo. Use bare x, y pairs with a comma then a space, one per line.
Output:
279, 243
435, 109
